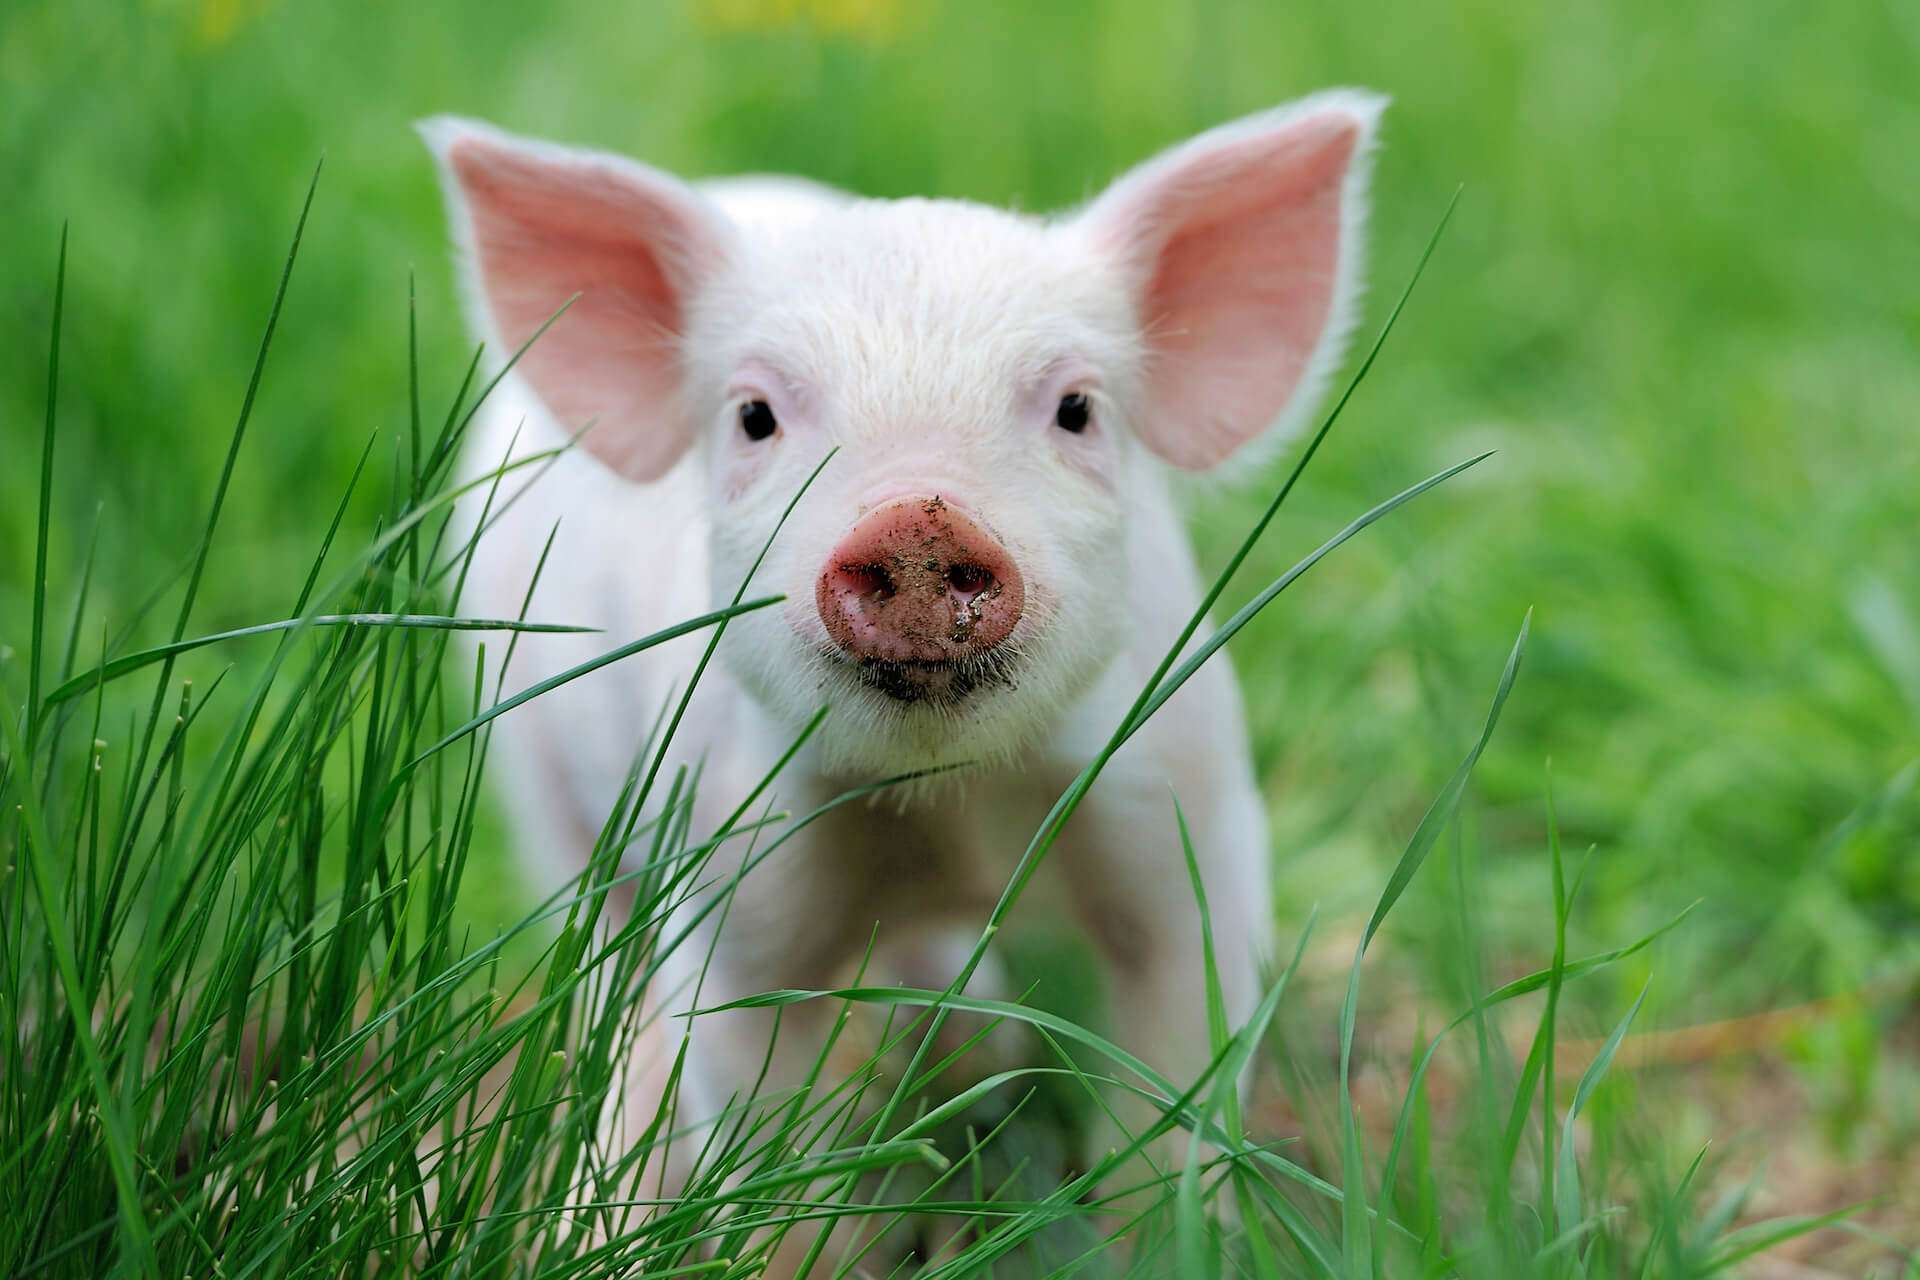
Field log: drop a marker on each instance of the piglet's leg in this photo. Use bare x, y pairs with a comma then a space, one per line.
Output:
1134, 898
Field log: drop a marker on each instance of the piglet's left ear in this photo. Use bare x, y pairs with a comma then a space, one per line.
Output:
1243, 246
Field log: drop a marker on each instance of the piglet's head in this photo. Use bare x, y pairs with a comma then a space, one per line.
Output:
1004, 393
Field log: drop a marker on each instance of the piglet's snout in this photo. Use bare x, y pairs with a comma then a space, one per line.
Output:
917, 580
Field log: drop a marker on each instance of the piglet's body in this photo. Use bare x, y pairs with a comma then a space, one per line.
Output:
986, 572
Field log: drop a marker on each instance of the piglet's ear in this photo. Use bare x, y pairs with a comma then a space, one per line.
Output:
539, 224
1244, 248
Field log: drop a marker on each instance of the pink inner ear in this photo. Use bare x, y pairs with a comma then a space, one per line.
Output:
1241, 242
547, 228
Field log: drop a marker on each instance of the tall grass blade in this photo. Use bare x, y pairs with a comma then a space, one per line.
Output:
1567, 1209
37, 640
1361, 1232
126, 664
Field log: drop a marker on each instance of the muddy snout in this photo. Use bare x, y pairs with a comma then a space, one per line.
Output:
917, 580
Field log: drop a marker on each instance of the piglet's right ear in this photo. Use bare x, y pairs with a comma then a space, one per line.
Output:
537, 225
1243, 247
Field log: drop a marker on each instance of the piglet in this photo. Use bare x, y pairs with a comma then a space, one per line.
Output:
985, 574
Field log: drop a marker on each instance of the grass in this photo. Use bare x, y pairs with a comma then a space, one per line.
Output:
253, 1034
1690, 345
1674, 297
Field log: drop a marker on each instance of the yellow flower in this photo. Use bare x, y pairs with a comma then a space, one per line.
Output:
874, 20
211, 23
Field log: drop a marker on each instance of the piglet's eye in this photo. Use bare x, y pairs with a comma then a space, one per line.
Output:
756, 419
1074, 413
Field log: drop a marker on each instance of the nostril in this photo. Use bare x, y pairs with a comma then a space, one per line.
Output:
968, 581
918, 581
868, 581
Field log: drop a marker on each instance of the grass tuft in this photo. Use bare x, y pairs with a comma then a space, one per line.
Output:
251, 1027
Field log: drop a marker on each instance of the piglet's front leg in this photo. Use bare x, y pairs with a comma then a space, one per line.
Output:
1133, 896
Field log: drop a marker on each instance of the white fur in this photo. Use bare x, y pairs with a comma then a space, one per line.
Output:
927, 341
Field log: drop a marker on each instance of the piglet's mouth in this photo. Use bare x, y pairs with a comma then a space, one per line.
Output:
931, 683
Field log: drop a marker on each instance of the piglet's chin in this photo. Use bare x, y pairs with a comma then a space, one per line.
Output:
894, 717
933, 685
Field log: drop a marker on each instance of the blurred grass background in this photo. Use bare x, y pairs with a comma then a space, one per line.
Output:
1679, 297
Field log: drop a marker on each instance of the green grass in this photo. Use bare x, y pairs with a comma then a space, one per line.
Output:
1676, 297
252, 1032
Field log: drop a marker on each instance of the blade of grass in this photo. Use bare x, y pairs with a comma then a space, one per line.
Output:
1362, 1245
1566, 1206
1541, 1055
129, 663
591, 665
254, 378
1189, 1214
38, 637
